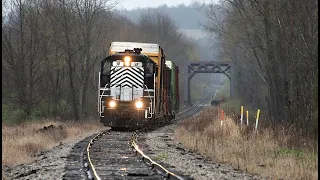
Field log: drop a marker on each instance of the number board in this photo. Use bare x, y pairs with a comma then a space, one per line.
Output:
136, 64
117, 63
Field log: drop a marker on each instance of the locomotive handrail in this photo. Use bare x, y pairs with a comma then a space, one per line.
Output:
159, 168
151, 102
100, 96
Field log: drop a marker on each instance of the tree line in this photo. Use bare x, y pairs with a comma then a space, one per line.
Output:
51, 52
274, 46
187, 16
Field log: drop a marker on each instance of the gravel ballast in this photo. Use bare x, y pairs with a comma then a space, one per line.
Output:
168, 150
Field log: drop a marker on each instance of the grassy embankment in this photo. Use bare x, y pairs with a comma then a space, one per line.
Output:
22, 142
271, 153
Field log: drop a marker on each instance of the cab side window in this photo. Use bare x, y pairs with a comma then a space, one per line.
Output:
149, 69
106, 68
105, 73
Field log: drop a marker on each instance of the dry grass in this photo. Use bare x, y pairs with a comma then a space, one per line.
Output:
264, 153
21, 143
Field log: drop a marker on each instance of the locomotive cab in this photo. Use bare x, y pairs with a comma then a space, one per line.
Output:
127, 89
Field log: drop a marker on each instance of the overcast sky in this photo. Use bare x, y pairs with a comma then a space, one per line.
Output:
132, 4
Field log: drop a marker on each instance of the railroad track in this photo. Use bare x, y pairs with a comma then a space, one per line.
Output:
197, 107
121, 155
115, 155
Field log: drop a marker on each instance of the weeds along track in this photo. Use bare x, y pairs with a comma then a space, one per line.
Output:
121, 155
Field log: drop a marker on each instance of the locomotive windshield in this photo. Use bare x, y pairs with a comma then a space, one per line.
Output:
147, 63
129, 61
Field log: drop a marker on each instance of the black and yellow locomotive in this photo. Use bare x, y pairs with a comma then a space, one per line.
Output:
137, 86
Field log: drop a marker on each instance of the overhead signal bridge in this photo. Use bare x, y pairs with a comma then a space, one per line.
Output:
193, 68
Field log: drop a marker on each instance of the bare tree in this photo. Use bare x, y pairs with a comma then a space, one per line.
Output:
273, 45
23, 53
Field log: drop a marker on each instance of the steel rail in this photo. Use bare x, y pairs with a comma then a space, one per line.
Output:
165, 173
89, 167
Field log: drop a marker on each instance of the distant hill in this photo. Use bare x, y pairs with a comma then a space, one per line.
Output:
194, 33
189, 20
186, 17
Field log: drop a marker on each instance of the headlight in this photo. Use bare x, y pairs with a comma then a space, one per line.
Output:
139, 104
127, 60
112, 104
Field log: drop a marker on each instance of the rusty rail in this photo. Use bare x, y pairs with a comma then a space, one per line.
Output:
152, 164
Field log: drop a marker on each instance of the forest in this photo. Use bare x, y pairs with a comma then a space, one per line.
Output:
51, 53
274, 45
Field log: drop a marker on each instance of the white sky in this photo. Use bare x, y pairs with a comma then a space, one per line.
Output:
132, 4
